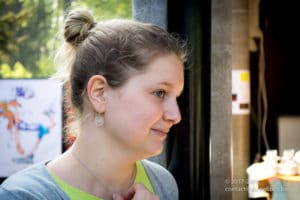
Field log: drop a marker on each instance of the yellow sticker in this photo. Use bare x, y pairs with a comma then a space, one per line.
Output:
244, 76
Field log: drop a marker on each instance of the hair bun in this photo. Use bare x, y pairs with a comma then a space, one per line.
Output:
77, 25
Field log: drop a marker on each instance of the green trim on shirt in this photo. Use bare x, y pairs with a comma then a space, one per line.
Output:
142, 177
73, 192
77, 194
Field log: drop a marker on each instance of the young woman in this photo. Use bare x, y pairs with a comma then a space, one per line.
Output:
125, 77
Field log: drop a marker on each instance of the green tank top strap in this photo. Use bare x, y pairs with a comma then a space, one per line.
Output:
77, 194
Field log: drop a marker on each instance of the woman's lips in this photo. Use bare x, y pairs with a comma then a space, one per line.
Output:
161, 133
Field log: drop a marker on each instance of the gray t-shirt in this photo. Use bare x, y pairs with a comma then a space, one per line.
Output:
35, 183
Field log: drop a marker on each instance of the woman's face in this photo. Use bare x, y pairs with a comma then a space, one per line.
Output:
139, 115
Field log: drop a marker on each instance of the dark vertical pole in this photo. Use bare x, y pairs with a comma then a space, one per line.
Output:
190, 160
152, 11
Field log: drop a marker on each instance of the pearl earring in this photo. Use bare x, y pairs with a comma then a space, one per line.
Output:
99, 120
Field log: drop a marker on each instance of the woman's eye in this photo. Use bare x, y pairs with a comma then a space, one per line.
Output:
160, 93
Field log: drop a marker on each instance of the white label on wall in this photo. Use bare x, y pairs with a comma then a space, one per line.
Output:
240, 92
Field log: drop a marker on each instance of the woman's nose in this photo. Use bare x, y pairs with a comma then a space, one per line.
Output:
172, 112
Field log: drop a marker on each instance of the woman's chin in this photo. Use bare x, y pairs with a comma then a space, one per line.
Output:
156, 151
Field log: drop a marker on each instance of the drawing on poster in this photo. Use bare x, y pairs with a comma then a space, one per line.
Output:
30, 123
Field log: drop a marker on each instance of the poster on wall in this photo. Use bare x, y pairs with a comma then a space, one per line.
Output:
30, 123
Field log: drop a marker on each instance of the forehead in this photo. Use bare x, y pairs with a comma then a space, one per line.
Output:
166, 69
165, 72
167, 63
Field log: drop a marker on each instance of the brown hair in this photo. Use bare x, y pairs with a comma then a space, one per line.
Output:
113, 48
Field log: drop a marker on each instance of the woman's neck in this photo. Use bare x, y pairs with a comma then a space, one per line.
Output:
105, 173
100, 169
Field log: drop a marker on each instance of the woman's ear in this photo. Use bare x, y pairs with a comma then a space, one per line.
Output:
96, 88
